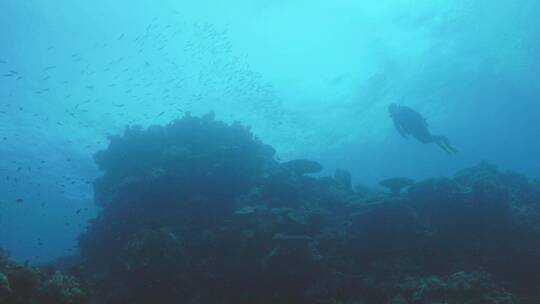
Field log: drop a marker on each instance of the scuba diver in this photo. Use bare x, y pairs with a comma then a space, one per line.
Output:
409, 122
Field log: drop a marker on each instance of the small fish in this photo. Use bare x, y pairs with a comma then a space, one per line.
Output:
3, 62
19, 200
160, 114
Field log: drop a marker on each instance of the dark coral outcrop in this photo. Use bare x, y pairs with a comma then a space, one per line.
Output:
199, 211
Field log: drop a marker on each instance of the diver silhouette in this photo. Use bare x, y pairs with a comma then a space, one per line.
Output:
409, 122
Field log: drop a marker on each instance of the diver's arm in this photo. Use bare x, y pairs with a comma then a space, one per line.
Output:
400, 130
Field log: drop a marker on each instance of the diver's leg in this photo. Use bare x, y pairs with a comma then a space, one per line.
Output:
443, 146
448, 145
444, 143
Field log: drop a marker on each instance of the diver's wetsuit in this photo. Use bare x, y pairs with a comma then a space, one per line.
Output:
409, 122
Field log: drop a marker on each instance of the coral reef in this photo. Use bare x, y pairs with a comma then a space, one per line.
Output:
396, 184
199, 211
29, 285
344, 179
194, 152
302, 166
458, 288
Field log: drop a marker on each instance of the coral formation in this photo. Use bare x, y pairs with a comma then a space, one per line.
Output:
396, 184
199, 211
344, 179
302, 166
29, 285
192, 151
458, 288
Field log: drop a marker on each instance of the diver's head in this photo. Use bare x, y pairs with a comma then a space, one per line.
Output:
392, 108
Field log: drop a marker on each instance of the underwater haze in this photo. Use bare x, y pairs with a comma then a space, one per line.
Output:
310, 80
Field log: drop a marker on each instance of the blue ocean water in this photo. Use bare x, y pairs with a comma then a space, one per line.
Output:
313, 79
